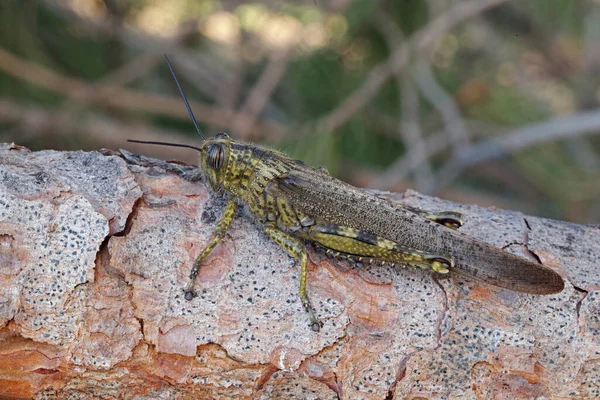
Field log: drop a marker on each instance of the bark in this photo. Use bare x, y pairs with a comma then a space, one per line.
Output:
95, 249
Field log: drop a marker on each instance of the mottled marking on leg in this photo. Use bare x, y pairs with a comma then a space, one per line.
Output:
270, 203
353, 243
287, 216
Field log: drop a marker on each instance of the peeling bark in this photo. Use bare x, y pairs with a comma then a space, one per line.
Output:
96, 248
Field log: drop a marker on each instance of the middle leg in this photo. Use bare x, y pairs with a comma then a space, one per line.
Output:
296, 249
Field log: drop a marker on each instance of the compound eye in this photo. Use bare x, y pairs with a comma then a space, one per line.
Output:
221, 135
215, 155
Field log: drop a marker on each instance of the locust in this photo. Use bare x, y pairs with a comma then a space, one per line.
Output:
297, 205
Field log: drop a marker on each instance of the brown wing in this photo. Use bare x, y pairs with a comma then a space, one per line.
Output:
331, 201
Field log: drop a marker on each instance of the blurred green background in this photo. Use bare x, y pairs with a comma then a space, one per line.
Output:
489, 102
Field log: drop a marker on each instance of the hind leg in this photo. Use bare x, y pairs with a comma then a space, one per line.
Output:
356, 244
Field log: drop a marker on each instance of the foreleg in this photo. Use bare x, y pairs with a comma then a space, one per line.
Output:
220, 231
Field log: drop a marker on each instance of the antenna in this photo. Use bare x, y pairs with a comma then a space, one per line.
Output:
165, 144
187, 105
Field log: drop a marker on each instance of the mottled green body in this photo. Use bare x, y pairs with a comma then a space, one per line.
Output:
296, 204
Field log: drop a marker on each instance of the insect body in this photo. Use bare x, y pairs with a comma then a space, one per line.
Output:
297, 204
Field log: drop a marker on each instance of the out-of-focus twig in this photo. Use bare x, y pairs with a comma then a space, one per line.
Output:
411, 161
468, 195
583, 155
228, 94
259, 96
418, 42
409, 126
135, 69
431, 90
445, 105
411, 131
500, 51
591, 36
201, 70
36, 121
129, 72
118, 97
581, 149
387, 125
575, 125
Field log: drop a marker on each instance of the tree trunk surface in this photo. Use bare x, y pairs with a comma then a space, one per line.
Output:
96, 247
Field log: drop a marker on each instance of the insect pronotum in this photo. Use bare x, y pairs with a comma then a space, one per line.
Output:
297, 204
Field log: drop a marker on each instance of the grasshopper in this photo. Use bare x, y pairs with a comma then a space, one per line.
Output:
297, 204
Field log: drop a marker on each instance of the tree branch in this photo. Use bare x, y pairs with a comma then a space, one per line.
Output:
576, 125
96, 249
